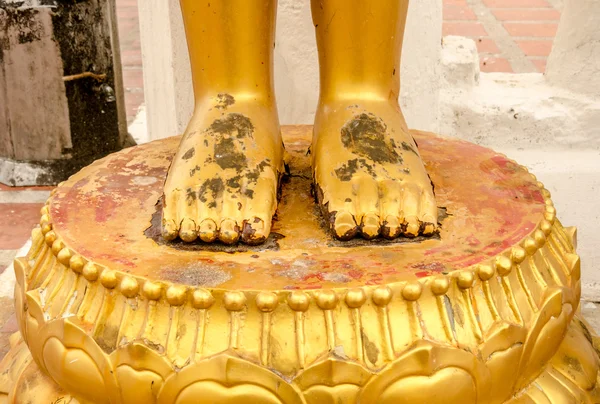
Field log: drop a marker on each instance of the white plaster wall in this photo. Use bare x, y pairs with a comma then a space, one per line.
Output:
421, 70
167, 76
574, 63
296, 63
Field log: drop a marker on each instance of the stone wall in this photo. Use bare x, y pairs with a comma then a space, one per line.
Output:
61, 97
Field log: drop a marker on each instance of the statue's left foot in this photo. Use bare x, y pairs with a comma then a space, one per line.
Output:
369, 175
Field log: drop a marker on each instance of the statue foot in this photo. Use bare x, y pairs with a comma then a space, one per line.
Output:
369, 174
222, 184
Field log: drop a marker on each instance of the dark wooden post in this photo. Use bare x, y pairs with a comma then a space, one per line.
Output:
61, 89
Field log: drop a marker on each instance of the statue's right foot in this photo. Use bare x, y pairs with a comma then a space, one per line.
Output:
370, 178
222, 184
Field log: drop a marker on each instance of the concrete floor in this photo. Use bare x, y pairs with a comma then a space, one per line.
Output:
591, 312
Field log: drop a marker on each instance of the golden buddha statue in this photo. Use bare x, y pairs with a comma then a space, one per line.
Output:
477, 304
368, 174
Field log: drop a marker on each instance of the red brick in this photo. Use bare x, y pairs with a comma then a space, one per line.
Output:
131, 58
458, 13
463, 29
4, 187
133, 78
489, 65
129, 38
527, 14
16, 222
535, 48
515, 3
487, 45
547, 30
540, 64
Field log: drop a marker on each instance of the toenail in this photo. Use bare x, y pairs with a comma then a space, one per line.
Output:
188, 232
428, 229
413, 226
391, 228
188, 236
229, 232
344, 226
169, 230
207, 231
254, 232
370, 227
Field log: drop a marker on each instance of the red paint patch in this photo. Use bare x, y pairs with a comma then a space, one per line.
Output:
105, 209
355, 274
491, 203
473, 241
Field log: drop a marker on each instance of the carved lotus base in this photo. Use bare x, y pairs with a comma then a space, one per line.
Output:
571, 376
111, 313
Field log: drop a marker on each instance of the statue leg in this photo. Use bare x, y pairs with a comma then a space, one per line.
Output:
369, 174
223, 181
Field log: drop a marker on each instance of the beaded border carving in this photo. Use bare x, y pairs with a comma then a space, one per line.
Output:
502, 306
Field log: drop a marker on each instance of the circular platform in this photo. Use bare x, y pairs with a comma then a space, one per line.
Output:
488, 204
473, 315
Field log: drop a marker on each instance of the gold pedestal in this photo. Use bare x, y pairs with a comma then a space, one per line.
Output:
484, 313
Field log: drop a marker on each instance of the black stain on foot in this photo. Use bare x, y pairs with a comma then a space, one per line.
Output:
189, 154
367, 167
409, 148
215, 186
351, 167
228, 153
365, 135
233, 124
347, 170
234, 182
190, 196
224, 100
254, 174
194, 170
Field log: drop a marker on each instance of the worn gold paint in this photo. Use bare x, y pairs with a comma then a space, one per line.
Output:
223, 181
484, 314
106, 202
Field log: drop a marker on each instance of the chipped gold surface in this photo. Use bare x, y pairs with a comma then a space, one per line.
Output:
103, 216
223, 181
369, 175
494, 324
